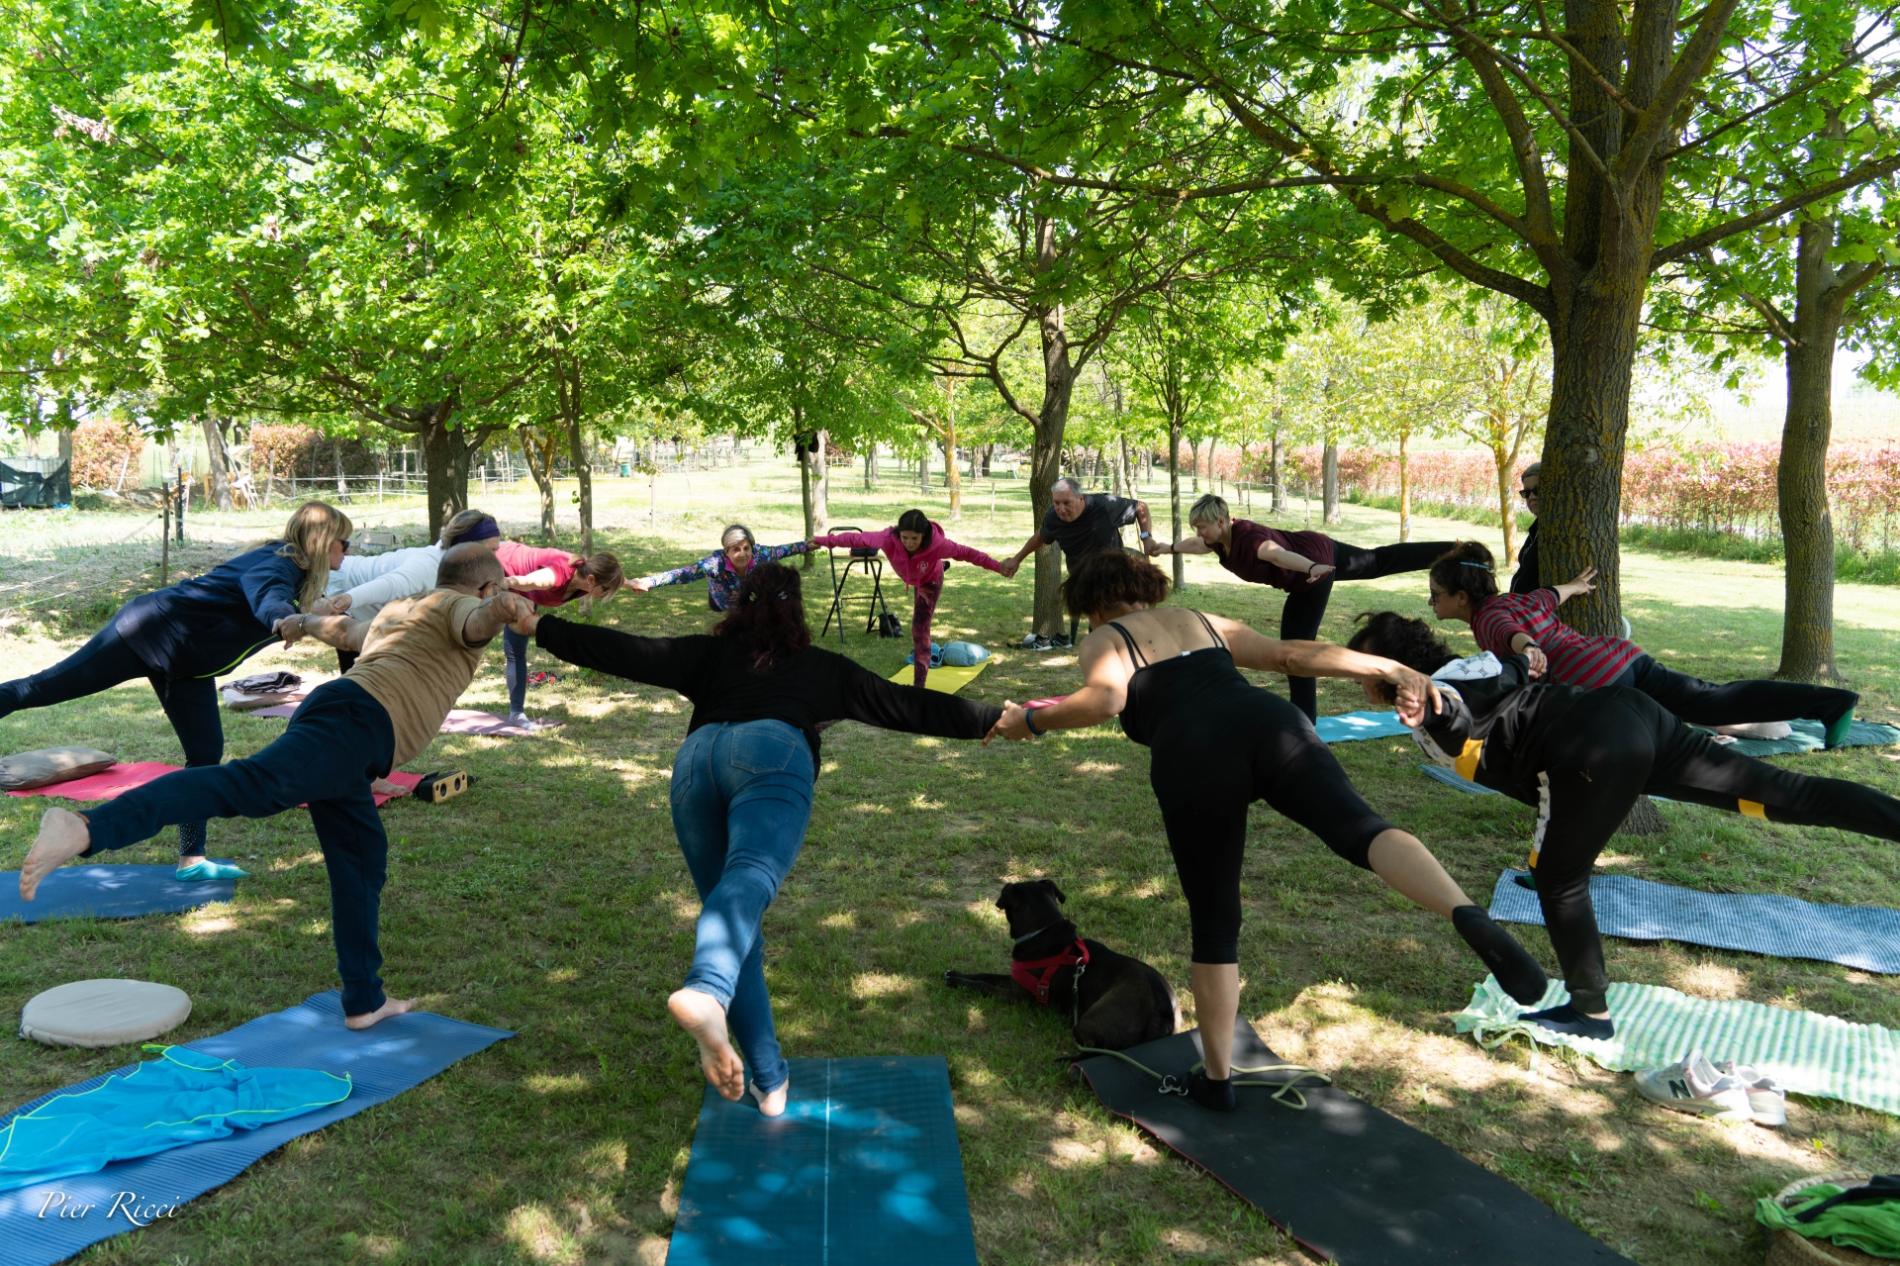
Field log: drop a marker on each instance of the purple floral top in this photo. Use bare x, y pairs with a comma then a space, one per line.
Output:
721, 580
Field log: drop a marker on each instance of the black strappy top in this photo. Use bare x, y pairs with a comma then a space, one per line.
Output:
1178, 688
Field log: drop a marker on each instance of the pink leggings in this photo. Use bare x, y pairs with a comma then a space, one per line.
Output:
921, 611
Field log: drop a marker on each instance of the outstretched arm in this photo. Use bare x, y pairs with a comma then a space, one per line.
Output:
970, 554
871, 699
339, 631
1186, 545
1103, 694
1585, 582
679, 575
1030, 546
1323, 659
272, 591
675, 663
1294, 561
495, 614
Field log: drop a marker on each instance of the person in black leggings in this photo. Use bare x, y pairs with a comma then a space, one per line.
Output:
1219, 743
1305, 564
1582, 757
183, 637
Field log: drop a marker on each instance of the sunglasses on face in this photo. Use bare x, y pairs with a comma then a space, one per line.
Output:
1528, 493
345, 544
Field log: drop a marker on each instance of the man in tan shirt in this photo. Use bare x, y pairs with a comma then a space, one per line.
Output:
417, 657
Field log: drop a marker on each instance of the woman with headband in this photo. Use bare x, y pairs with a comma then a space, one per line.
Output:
1464, 588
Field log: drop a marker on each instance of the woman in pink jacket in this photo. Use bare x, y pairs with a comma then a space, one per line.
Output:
919, 552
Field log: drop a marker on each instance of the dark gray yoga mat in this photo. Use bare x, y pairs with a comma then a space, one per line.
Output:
52, 1221
863, 1167
1867, 937
1349, 1182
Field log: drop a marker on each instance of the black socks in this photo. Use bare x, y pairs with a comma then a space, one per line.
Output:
1216, 1095
1510, 962
1567, 1019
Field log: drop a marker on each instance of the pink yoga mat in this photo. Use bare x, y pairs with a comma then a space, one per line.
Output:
458, 721
122, 778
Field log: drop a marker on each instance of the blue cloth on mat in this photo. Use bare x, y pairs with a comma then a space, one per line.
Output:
1866, 937
863, 1167
1451, 778
1346, 727
114, 891
181, 1097
381, 1063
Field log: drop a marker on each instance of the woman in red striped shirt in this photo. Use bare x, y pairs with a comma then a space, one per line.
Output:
1464, 587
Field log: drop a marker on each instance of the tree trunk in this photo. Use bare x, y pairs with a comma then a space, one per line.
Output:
1593, 350
539, 453
870, 465
1194, 462
1807, 528
989, 455
1174, 495
1405, 491
952, 478
584, 472
799, 442
219, 462
445, 456
1329, 483
1273, 474
1507, 508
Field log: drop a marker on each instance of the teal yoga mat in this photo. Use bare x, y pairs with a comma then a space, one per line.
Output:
863, 1167
1807, 738
1349, 727
118, 890
381, 1063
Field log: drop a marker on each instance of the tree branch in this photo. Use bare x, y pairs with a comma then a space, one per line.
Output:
1690, 66
1870, 170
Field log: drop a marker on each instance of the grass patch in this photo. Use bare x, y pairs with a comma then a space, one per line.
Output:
552, 901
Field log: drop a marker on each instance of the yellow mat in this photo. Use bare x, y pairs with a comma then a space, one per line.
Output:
947, 680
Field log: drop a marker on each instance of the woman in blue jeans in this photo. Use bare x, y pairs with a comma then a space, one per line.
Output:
742, 788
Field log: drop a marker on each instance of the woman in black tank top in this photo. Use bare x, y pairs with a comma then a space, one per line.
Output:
1219, 743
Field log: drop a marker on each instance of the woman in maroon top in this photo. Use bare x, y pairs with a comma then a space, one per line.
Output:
1464, 587
1305, 564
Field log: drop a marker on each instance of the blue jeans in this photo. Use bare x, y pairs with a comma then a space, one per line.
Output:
741, 802
514, 669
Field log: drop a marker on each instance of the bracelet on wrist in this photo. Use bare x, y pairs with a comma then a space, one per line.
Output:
1029, 722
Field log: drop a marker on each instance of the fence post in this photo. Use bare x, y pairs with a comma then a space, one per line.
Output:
184, 501
165, 539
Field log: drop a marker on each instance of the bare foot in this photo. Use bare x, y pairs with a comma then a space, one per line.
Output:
701, 1016
392, 1006
63, 836
384, 787
771, 1102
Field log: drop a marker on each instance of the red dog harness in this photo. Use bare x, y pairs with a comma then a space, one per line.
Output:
1038, 974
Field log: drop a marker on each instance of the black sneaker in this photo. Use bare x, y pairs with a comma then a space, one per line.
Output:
1060, 642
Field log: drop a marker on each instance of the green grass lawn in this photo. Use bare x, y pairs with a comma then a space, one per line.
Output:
551, 901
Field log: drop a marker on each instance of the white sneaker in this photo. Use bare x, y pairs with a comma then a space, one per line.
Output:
1692, 1084
522, 721
1767, 1101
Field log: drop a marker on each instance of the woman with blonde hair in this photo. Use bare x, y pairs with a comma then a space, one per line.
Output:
183, 637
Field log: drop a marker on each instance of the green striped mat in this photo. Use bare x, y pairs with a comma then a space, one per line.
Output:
1808, 1054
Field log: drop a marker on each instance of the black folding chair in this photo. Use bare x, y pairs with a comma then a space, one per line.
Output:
871, 560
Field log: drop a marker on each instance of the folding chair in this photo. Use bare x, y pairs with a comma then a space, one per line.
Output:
872, 561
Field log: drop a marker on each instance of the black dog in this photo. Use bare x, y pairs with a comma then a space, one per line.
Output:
1123, 1002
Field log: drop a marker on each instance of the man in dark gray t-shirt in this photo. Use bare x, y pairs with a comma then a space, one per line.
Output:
1080, 524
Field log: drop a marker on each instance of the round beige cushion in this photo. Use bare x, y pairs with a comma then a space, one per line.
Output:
103, 1013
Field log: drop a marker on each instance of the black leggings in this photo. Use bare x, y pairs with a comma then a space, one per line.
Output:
105, 661
514, 667
1205, 778
1617, 744
1306, 607
1705, 703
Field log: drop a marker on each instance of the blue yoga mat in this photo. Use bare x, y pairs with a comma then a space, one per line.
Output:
382, 1062
119, 891
1451, 778
1807, 737
1867, 937
863, 1167
1349, 727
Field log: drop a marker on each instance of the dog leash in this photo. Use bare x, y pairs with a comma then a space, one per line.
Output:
1288, 1093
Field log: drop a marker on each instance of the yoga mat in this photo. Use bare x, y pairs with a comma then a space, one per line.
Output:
1350, 727
117, 891
1347, 1181
1808, 1054
108, 783
382, 1062
1867, 937
863, 1167
1807, 737
1451, 778
945, 680
105, 784
457, 721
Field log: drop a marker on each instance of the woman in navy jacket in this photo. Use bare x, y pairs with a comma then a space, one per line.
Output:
181, 638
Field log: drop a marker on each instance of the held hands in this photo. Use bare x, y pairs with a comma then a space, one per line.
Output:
515, 611
1538, 661
1319, 572
1417, 695
1013, 724
335, 604
643, 584
290, 628
1009, 568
